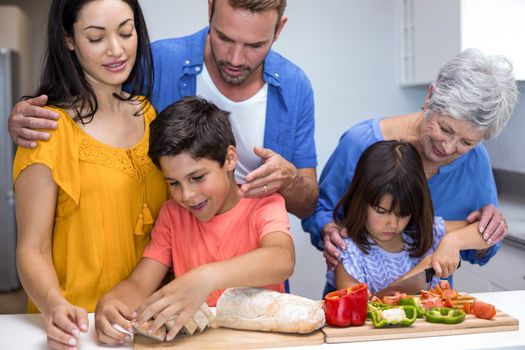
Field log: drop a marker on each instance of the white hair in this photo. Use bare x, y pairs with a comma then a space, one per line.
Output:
477, 88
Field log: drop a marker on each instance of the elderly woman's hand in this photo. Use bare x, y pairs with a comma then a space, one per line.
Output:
333, 239
492, 224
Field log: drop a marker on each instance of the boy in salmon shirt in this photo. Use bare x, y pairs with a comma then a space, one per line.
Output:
207, 233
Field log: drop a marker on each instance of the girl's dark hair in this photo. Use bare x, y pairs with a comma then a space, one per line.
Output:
191, 125
389, 168
62, 78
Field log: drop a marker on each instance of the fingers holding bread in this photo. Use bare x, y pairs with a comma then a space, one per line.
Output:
203, 318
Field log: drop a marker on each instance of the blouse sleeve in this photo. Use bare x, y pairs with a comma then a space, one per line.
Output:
438, 230
59, 154
351, 260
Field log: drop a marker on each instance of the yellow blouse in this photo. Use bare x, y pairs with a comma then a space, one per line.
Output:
107, 199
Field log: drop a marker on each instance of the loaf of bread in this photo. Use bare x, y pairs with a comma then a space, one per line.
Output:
142, 329
265, 310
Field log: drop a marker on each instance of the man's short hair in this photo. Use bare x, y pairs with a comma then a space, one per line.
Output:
193, 125
256, 6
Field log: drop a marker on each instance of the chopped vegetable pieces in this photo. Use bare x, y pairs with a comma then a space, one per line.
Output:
445, 315
414, 301
394, 316
483, 310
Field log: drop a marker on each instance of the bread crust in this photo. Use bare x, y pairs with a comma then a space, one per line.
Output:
265, 310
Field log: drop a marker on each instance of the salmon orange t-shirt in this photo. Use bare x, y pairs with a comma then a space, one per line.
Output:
182, 242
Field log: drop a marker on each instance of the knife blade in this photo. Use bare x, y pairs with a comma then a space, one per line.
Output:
411, 285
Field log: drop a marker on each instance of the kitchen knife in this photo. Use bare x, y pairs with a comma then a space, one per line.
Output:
411, 285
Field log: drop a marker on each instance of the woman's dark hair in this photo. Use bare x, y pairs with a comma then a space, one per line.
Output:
62, 78
389, 168
191, 125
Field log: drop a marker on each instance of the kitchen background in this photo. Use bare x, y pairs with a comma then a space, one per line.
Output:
364, 58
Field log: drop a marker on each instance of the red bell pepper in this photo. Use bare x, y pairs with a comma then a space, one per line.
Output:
347, 307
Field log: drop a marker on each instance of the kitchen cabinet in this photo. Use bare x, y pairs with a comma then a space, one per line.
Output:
432, 32
506, 270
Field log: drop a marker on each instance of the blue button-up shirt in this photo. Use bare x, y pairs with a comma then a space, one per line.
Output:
290, 121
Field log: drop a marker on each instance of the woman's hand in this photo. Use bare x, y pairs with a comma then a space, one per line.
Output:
333, 239
180, 298
492, 223
63, 324
111, 312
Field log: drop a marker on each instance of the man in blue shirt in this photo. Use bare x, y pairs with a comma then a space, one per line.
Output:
232, 64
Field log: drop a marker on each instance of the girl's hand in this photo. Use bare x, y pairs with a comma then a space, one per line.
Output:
445, 259
180, 298
333, 239
111, 312
63, 324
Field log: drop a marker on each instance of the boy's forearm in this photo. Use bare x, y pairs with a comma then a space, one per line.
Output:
260, 267
142, 282
128, 292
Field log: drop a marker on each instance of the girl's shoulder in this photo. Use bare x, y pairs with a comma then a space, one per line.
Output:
438, 231
351, 245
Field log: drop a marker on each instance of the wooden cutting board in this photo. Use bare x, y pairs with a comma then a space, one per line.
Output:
224, 338
420, 328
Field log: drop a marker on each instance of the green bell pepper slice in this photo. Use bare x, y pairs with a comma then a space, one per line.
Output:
382, 318
413, 301
445, 315
374, 306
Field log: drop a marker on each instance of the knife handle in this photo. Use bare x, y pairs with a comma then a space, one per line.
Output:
429, 273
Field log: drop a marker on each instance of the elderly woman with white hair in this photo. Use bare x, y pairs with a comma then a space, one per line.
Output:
471, 100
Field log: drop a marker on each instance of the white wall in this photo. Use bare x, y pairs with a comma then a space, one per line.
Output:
507, 150
348, 49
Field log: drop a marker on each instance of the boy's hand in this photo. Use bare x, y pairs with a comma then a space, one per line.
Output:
111, 312
63, 324
180, 298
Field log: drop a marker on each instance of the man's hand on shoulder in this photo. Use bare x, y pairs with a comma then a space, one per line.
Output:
26, 117
272, 176
298, 186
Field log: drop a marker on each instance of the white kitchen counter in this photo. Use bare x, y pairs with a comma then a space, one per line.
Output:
26, 332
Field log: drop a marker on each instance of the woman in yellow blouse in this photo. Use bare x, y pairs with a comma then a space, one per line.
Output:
87, 197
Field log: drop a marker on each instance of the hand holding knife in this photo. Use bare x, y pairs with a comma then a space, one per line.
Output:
412, 285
